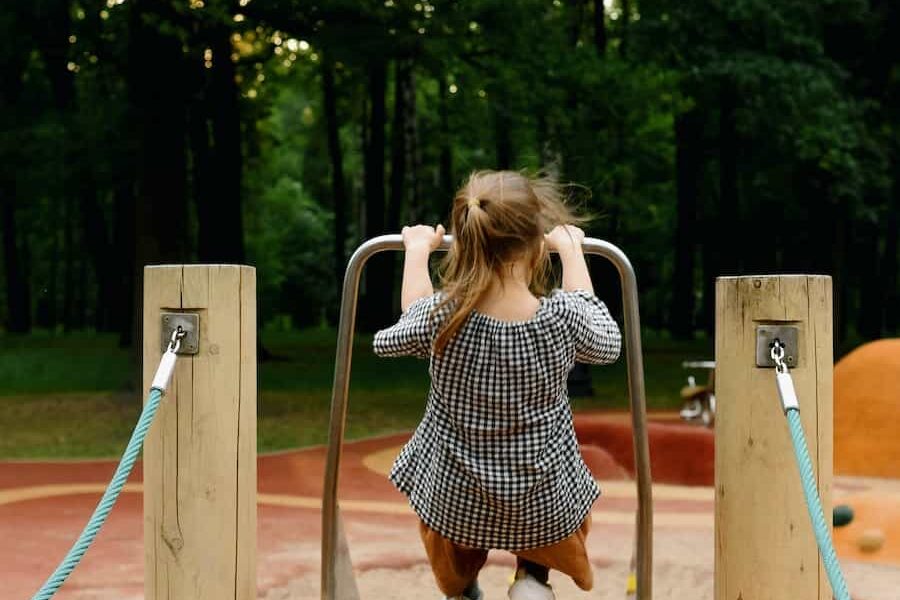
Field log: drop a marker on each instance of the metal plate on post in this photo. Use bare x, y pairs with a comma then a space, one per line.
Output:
787, 335
190, 323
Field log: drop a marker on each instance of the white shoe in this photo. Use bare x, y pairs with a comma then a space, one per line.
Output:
526, 587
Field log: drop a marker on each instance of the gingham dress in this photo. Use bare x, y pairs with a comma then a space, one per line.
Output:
494, 462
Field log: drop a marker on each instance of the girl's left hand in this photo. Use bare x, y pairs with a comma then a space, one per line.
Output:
422, 237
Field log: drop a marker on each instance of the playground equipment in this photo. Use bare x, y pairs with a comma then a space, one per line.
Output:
867, 398
699, 400
200, 456
765, 542
338, 581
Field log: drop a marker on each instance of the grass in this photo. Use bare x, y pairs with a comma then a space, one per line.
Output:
69, 397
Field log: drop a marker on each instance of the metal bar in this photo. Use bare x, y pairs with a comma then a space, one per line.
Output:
331, 587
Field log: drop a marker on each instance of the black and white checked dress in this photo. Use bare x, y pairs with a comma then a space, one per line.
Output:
494, 462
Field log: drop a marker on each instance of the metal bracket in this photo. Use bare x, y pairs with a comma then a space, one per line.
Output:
787, 335
190, 323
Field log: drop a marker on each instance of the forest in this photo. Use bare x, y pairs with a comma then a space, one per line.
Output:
707, 138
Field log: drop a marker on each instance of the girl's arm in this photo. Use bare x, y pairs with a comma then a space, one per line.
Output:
419, 241
566, 240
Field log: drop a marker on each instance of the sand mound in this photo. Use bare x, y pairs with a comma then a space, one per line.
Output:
867, 411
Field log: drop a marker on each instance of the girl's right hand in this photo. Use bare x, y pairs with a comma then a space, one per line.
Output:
564, 237
422, 237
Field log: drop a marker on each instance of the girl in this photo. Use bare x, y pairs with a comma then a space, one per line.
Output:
494, 462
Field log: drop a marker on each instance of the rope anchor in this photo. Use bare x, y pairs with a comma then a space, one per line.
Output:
791, 406
163, 376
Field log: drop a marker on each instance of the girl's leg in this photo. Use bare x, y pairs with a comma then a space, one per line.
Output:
455, 567
568, 556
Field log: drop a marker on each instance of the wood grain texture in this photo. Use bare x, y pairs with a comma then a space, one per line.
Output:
200, 454
765, 548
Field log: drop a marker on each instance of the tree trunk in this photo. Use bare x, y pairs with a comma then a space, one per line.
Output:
709, 265
156, 82
601, 38
687, 164
53, 276
336, 156
52, 41
625, 19
729, 201
202, 173
447, 185
12, 67
80, 296
837, 215
123, 242
18, 294
503, 135
52, 37
720, 255
223, 218
576, 17
402, 177
399, 162
69, 291
377, 308
415, 208
871, 290
890, 261
96, 242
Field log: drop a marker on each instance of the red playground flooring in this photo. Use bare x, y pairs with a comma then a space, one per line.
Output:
44, 505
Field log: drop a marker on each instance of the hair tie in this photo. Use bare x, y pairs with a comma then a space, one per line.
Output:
474, 202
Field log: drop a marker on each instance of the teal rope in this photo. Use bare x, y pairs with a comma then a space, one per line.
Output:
65, 568
814, 504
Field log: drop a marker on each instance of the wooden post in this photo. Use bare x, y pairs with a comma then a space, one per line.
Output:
200, 454
765, 547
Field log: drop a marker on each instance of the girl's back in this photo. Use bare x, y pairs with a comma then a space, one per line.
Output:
495, 458
494, 462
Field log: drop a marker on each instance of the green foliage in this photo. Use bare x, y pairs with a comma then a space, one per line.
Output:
289, 244
814, 87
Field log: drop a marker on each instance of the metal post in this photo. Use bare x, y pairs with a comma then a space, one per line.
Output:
334, 587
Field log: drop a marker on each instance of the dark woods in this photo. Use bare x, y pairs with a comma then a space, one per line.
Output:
715, 139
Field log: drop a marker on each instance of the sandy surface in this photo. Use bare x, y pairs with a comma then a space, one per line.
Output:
683, 570
671, 582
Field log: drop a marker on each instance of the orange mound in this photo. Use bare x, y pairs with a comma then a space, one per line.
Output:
867, 411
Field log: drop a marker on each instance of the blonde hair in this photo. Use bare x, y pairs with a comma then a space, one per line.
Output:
497, 218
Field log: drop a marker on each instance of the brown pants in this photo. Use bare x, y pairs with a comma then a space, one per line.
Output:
455, 566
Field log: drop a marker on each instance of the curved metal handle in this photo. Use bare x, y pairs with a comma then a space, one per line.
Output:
636, 393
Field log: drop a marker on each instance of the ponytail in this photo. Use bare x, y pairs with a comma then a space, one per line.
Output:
497, 218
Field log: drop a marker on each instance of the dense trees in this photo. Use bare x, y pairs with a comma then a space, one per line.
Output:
714, 138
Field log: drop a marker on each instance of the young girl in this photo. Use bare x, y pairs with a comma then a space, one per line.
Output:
495, 464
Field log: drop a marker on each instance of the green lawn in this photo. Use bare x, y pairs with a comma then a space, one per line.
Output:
70, 397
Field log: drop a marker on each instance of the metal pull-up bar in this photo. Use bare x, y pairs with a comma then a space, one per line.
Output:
338, 582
